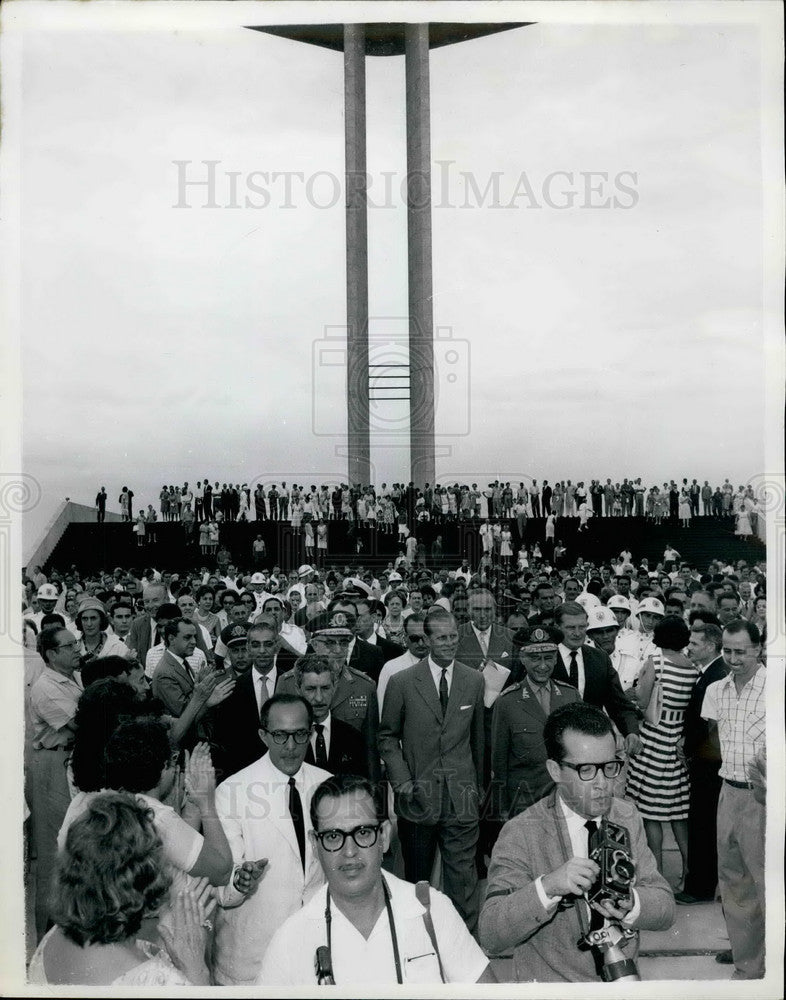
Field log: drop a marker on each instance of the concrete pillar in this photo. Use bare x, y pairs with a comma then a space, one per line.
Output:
359, 454
421, 317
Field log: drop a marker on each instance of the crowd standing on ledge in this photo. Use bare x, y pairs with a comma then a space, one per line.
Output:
389, 508
279, 761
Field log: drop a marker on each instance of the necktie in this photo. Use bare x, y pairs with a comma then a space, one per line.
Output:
573, 672
484, 644
596, 920
542, 692
321, 749
443, 690
296, 812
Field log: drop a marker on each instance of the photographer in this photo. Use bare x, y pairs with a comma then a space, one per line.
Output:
540, 870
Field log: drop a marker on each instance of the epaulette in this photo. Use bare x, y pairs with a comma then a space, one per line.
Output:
562, 684
362, 675
511, 689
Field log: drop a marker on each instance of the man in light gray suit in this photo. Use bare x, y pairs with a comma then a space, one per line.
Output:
540, 870
431, 739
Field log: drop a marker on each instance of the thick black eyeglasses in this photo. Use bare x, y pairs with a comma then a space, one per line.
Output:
334, 840
281, 736
587, 772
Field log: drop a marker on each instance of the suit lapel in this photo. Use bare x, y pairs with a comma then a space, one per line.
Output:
424, 683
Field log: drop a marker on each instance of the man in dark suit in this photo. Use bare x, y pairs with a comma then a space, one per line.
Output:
591, 672
488, 648
702, 753
234, 740
334, 746
431, 739
364, 629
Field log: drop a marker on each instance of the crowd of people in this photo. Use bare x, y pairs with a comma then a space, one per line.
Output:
273, 766
387, 508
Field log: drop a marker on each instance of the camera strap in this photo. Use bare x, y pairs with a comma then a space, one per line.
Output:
391, 924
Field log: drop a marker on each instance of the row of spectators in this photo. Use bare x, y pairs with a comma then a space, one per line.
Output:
386, 506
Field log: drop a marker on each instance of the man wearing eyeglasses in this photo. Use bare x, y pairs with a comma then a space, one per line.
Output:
264, 810
371, 928
540, 870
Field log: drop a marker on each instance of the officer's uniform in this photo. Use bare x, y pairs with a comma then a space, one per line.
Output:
517, 747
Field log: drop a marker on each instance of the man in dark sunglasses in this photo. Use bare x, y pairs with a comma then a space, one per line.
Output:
540, 872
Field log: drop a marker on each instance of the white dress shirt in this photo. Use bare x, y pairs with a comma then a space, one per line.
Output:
436, 673
484, 638
264, 685
565, 654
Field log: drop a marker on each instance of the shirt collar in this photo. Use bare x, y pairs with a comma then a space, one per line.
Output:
565, 652
436, 670
280, 776
55, 675
572, 818
325, 724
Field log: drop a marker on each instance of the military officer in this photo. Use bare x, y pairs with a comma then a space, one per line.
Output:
517, 748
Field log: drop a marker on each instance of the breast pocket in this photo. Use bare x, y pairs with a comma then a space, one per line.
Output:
422, 968
527, 742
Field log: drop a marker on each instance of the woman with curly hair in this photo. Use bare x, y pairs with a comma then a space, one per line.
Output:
110, 877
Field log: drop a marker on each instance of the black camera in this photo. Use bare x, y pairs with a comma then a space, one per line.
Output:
609, 848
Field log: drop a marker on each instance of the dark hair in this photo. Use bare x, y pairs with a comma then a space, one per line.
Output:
568, 608
136, 754
311, 663
47, 641
417, 617
111, 873
201, 591
742, 625
711, 632
541, 587
172, 627
339, 785
167, 613
105, 666
577, 716
101, 708
434, 616
671, 632
700, 615
284, 699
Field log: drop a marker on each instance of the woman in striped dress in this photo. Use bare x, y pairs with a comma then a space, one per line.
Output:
658, 779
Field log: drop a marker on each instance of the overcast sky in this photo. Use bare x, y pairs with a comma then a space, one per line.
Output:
163, 343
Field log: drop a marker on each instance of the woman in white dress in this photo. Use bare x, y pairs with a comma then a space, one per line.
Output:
505, 547
743, 528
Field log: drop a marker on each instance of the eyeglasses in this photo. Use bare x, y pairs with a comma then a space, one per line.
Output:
281, 736
333, 840
68, 645
587, 772
416, 637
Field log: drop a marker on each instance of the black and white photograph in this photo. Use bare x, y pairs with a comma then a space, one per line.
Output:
391, 484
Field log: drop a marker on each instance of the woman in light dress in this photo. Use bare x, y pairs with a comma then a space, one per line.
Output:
111, 878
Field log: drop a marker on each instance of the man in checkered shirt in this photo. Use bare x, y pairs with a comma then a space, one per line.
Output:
737, 705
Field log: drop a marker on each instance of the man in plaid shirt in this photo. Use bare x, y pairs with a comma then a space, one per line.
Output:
737, 705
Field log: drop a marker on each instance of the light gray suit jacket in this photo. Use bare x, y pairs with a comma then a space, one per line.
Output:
418, 744
544, 942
